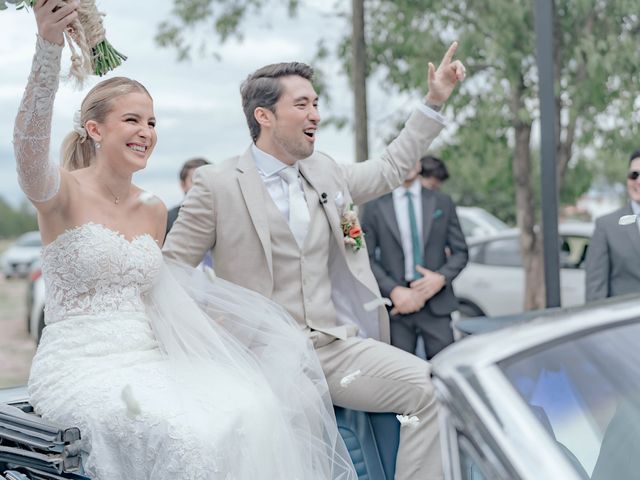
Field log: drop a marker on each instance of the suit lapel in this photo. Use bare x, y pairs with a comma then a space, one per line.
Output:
252, 189
315, 179
632, 231
428, 209
388, 212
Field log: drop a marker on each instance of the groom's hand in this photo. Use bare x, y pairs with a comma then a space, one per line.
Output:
443, 80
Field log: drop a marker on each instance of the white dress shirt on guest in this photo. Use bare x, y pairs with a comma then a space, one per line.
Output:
401, 207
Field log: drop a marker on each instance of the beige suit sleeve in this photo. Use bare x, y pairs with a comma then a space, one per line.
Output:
373, 178
194, 231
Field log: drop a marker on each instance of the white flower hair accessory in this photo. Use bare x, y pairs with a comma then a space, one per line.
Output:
78, 127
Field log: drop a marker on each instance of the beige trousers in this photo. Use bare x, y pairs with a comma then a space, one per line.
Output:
390, 380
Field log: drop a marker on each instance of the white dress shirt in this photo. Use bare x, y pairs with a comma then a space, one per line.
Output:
269, 168
401, 207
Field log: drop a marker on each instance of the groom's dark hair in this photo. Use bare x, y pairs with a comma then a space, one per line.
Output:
263, 89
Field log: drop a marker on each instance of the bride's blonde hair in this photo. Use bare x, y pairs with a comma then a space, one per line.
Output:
78, 150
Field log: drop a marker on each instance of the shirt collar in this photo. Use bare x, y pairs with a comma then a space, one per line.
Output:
415, 188
635, 207
267, 163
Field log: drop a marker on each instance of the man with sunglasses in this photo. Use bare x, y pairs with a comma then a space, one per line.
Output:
613, 257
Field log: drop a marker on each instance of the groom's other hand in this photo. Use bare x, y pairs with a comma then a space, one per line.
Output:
444, 79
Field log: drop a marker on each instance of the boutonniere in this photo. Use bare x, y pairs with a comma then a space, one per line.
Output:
437, 214
351, 229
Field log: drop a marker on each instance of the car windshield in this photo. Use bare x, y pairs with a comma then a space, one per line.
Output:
586, 393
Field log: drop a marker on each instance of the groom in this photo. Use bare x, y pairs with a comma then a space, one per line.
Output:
272, 218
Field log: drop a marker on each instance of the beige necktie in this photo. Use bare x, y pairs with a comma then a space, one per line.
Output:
298, 209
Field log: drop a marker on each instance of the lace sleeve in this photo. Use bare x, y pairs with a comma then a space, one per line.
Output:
39, 177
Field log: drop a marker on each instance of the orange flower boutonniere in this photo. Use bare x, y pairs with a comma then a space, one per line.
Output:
353, 236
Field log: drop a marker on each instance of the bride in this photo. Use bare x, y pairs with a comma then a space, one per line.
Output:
167, 374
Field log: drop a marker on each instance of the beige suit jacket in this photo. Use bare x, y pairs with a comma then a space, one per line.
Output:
224, 211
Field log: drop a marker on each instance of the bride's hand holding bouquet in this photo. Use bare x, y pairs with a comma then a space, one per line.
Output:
80, 22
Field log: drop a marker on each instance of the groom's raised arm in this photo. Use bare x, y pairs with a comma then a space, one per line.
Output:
370, 179
194, 231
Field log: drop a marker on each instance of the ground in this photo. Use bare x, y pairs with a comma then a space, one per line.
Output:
16, 346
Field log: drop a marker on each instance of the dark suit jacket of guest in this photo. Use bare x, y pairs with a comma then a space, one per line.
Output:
613, 257
172, 216
440, 229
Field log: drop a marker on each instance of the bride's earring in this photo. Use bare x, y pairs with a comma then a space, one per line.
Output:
98, 145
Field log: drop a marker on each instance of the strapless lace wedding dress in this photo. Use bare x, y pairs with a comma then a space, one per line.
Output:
99, 367
168, 374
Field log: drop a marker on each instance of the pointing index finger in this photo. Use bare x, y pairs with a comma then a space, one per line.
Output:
449, 55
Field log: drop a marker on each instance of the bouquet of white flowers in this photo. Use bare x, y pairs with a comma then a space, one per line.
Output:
96, 55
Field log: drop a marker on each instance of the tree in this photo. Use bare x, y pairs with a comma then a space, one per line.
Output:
496, 111
596, 83
15, 221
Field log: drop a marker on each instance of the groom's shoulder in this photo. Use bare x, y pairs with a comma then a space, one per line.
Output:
322, 159
222, 168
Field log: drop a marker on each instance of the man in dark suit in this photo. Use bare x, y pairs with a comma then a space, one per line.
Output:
416, 249
433, 172
186, 181
613, 257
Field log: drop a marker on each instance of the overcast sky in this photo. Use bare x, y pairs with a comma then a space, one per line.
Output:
197, 103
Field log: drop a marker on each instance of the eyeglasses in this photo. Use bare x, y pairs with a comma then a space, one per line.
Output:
633, 175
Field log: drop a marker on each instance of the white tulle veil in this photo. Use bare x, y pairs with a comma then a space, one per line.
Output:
198, 319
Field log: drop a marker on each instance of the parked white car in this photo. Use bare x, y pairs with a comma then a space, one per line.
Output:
492, 283
19, 257
476, 222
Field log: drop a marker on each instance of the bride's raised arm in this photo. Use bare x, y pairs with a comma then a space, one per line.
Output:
39, 177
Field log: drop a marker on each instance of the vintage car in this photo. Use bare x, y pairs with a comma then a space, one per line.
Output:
549, 395
555, 396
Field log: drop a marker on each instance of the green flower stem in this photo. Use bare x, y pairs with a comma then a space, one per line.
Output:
105, 58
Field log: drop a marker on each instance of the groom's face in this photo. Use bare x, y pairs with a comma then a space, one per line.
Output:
295, 121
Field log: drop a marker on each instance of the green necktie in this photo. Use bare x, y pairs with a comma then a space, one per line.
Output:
415, 238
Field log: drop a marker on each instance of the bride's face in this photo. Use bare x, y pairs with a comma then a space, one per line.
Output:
128, 134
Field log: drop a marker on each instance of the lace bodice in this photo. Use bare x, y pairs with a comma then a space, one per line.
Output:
94, 270
39, 177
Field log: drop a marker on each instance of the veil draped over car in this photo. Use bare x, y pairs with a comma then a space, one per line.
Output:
198, 319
